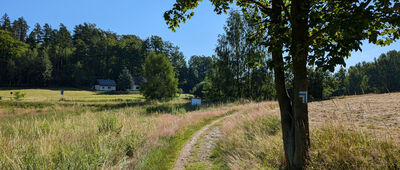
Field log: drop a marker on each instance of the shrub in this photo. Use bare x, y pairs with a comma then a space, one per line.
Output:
19, 95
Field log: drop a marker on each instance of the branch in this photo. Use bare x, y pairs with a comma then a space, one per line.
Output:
315, 35
287, 13
261, 22
263, 8
363, 5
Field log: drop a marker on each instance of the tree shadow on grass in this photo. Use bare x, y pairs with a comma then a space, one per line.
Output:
117, 92
172, 108
112, 106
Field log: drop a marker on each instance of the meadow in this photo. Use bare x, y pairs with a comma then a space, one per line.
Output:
89, 130
92, 130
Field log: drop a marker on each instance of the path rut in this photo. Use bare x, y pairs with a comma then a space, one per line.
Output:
210, 133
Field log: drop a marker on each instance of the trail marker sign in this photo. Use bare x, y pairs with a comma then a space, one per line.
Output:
196, 102
303, 96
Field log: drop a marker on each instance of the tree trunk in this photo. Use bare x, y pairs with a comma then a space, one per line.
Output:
299, 51
294, 112
285, 104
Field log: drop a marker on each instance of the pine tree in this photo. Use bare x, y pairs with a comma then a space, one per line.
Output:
20, 29
5, 23
125, 80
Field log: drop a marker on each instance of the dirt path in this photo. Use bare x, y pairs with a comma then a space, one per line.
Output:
201, 144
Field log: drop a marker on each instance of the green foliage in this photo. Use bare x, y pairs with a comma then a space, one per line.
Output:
197, 91
19, 95
240, 68
199, 66
125, 80
379, 76
160, 83
60, 57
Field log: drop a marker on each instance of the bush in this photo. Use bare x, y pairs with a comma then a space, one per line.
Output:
19, 95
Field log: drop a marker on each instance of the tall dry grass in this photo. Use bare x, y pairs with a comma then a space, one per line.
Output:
340, 137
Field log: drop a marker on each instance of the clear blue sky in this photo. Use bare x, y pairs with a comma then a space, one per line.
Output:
144, 18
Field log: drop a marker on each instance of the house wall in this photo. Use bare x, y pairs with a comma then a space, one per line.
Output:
105, 88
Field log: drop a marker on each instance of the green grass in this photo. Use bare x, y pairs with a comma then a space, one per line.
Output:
49, 95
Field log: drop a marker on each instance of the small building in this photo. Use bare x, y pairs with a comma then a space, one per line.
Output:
105, 85
137, 82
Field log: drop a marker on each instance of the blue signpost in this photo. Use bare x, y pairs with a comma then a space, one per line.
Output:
62, 92
303, 96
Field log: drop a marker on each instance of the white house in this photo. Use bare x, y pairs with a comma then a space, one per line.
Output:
105, 85
137, 82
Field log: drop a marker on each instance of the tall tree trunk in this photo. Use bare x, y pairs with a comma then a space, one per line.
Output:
294, 112
299, 51
285, 104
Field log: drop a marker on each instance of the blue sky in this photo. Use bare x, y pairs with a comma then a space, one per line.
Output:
144, 18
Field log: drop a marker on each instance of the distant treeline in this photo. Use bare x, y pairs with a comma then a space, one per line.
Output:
239, 70
57, 57
379, 76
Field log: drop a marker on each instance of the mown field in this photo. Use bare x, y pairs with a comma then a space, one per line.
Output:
353, 132
89, 130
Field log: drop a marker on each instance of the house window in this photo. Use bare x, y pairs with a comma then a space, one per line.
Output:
102, 87
109, 87
137, 87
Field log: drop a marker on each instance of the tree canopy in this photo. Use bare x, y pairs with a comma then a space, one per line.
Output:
125, 80
61, 57
160, 83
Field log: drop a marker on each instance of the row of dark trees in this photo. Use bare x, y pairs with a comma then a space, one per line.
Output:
379, 76
57, 57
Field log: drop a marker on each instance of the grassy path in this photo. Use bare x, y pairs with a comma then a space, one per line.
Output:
185, 154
